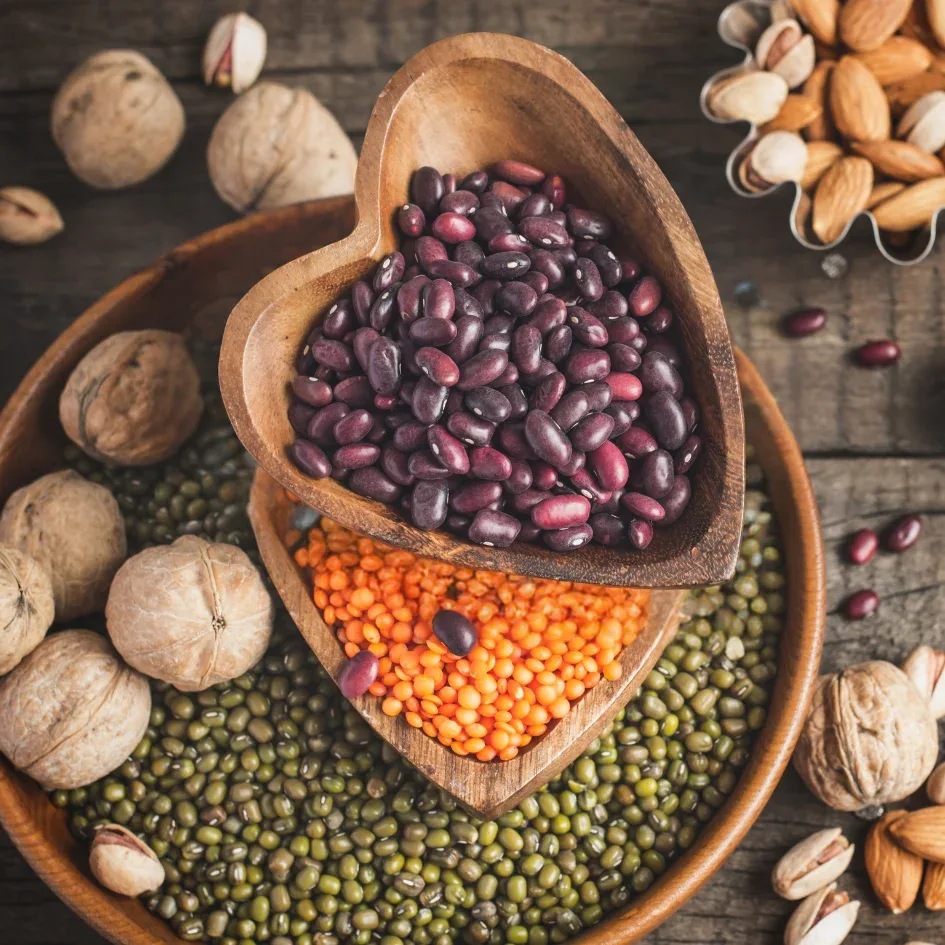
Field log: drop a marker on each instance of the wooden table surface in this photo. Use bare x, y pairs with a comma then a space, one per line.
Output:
875, 440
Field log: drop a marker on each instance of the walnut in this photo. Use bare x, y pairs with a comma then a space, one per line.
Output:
71, 712
74, 530
116, 119
193, 613
27, 606
870, 738
133, 399
276, 146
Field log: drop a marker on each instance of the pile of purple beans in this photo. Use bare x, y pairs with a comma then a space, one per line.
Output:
505, 375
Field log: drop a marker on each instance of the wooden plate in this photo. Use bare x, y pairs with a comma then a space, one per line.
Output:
198, 281
462, 104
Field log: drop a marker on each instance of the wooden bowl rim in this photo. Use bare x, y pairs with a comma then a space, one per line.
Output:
110, 915
710, 557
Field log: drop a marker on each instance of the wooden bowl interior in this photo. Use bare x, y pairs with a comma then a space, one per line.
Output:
464, 104
487, 789
192, 280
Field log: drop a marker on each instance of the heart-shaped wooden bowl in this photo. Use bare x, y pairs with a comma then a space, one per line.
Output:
462, 104
190, 286
488, 789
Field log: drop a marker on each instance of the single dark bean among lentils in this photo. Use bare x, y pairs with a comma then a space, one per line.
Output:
280, 817
505, 323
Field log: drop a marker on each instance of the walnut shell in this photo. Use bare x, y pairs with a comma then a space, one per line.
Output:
116, 119
27, 606
193, 613
870, 738
133, 399
71, 712
275, 146
73, 528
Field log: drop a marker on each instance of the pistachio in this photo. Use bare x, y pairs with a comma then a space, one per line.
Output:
923, 124
123, 863
777, 157
787, 51
235, 52
812, 864
27, 217
935, 786
823, 918
925, 666
751, 96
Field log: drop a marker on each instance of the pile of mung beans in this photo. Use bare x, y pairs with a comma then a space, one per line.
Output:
281, 817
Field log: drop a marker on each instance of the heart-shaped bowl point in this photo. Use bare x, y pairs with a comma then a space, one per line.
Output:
462, 104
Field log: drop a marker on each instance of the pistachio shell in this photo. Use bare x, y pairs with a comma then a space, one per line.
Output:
797, 65
804, 929
799, 873
925, 666
123, 863
752, 96
787, 51
778, 157
235, 52
924, 123
27, 217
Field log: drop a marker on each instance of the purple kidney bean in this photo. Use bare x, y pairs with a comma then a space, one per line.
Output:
482, 369
623, 413
535, 205
524, 502
543, 233
355, 391
608, 265
356, 456
518, 403
495, 342
676, 500
666, 348
588, 280
321, 426
685, 457
510, 195
553, 188
587, 485
505, 266
659, 321
643, 506
639, 343
310, 459
567, 257
340, 320
548, 265
589, 223
561, 511
583, 246
657, 473
411, 220
491, 222
876, 354
494, 529
429, 400
382, 311
609, 307
424, 465
456, 273
453, 228
460, 201
806, 321
667, 419
574, 465
449, 183
468, 334
550, 314
608, 529
624, 386
488, 463
508, 243
862, 546
518, 172
526, 347
548, 392
570, 409
383, 368
313, 392
430, 250
427, 190
477, 182
903, 533
536, 281
587, 329
470, 429
500, 323
333, 354
466, 305
861, 605
511, 439
488, 403
475, 496
546, 438
455, 632
394, 464
492, 201
544, 475
568, 539
511, 376
410, 436
358, 674
516, 298
410, 298
557, 346
353, 427
656, 374
389, 271
429, 503
591, 432
448, 450
609, 466
439, 300
645, 296
519, 479
690, 412
586, 364
371, 482
640, 533
457, 524
623, 331
438, 366
599, 396
362, 298
433, 331
623, 358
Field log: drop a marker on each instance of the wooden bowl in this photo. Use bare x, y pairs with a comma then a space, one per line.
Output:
462, 104
488, 789
191, 285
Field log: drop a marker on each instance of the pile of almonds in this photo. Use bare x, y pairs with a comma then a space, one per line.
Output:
849, 102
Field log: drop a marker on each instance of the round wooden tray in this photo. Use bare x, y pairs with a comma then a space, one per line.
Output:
196, 285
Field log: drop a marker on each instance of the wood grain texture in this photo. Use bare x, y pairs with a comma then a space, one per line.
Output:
530, 105
30, 435
876, 438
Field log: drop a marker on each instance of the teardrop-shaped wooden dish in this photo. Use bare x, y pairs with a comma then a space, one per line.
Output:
462, 104
488, 789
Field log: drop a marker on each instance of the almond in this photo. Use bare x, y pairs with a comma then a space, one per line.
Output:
821, 155
902, 95
935, 12
916, 25
895, 873
923, 831
815, 88
841, 194
883, 192
858, 104
797, 112
898, 59
900, 160
867, 24
933, 887
820, 17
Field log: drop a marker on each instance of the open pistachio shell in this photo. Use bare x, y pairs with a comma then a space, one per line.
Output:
812, 864
923, 124
787, 51
752, 96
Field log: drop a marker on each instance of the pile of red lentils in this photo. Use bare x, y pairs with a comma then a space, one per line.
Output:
542, 644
